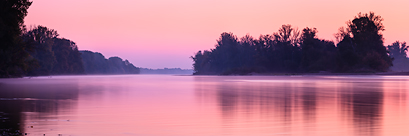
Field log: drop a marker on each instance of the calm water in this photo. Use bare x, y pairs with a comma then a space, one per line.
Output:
164, 105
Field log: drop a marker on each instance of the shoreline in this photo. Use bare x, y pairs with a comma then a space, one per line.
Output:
250, 74
315, 74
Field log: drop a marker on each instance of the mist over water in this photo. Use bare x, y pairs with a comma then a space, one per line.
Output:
205, 105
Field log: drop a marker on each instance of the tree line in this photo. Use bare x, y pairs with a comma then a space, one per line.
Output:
360, 48
96, 63
49, 54
40, 51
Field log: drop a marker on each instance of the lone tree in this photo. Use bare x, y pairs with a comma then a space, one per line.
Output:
12, 49
363, 41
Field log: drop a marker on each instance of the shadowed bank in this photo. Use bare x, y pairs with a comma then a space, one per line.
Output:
27, 99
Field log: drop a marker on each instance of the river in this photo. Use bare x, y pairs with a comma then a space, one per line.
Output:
166, 105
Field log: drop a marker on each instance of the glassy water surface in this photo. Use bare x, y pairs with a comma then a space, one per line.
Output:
164, 105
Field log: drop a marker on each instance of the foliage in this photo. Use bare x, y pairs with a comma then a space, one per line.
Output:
42, 40
317, 55
398, 51
53, 55
360, 49
40, 51
362, 46
12, 49
233, 55
96, 63
68, 57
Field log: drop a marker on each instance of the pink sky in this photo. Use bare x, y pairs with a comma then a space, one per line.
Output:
165, 33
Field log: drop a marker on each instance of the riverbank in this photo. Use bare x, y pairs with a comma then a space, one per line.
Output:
319, 73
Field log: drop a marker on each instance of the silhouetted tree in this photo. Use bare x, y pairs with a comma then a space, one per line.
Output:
226, 54
96, 63
277, 52
264, 51
359, 49
201, 63
347, 56
12, 49
398, 51
68, 58
317, 55
42, 39
285, 49
53, 55
363, 37
248, 51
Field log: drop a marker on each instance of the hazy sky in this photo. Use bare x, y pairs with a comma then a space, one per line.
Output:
165, 33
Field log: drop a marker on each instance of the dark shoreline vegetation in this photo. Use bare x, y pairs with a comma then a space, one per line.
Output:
96, 63
51, 55
40, 51
359, 50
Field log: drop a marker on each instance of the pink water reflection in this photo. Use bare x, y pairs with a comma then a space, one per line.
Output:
209, 105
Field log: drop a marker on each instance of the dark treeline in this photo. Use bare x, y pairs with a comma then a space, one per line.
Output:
96, 63
49, 54
13, 52
360, 48
40, 50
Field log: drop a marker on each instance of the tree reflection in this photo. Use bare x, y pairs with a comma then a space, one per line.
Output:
297, 103
44, 98
364, 101
272, 103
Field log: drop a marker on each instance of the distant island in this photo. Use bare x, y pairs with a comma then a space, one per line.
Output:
359, 49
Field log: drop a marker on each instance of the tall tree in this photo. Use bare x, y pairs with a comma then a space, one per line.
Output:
226, 54
42, 39
398, 51
68, 58
317, 55
285, 49
366, 40
201, 63
53, 55
248, 51
347, 56
12, 49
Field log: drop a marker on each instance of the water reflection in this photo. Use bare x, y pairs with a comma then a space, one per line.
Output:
160, 105
28, 104
364, 102
294, 105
